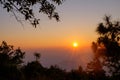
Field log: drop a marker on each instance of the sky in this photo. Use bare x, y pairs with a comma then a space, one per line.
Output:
78, 22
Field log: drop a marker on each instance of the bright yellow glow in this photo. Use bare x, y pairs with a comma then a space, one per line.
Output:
75, 44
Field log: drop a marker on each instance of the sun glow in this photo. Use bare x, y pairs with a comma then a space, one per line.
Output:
75, 44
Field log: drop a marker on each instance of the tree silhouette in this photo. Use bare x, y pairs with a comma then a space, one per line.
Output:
10, 61
107, 47
37, 56
10, 56
26, 8
55, 73
95, 70
33, 71
78, 74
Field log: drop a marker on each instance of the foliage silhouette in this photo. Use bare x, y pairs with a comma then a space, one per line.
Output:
77, 74
10, 61
37, 56
107, 49
33, 70
26, 8
95, 70
55, 73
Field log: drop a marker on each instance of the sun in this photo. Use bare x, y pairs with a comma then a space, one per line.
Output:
75, 44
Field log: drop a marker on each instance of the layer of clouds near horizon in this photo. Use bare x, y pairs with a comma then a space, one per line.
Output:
64, 58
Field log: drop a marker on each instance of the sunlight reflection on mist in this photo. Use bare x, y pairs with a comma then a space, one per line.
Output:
65, 58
